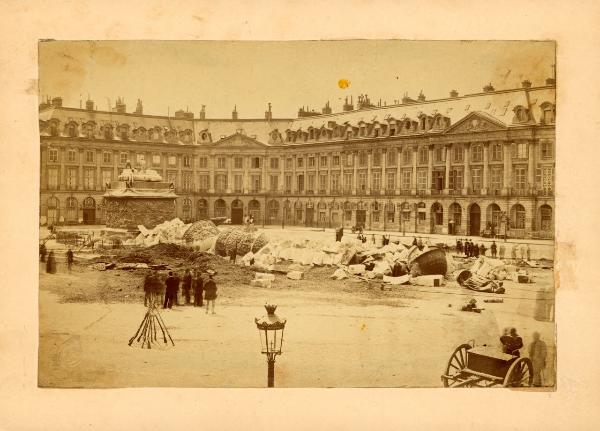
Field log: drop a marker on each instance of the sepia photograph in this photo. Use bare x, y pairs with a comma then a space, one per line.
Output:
297, 214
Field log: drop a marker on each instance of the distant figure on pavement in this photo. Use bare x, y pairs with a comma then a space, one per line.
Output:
494, 249
528, 251
198, 289
210, 293
538, 353
522, 247
42, 252
501, 250
187, 285
172, 283
459, 246
513, 253
482, 250
475, 250
51, 263
69, 259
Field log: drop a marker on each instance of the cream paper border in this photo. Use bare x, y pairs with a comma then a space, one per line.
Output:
576, 28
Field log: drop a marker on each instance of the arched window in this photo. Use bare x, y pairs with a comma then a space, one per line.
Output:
89, 202
187, 209
220, 208
455, 215
254, 209
494, 217
437, 214
71, 209
202, 209
52, 212
517, 217
54, 128
273, 210
545, 215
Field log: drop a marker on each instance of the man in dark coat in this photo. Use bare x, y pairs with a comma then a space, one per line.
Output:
494, 249
511, 342
198, 289
210, 293
51, 263
187, 285
475, 250
172, 283
69, 259
42, 252
459, 246
482, 249
467, 248
151, 287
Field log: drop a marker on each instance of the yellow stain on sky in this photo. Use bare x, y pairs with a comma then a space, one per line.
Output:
343, 83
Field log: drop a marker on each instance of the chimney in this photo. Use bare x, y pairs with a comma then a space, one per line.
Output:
57, 102
421, 97
234, 113
488, 88
203, 113
139, 109
269, 114
120, 106
454, 94
526, 83
348, 106
327, 108
549, 81
89, 104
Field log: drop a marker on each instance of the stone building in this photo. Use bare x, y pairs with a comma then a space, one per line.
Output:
465, 165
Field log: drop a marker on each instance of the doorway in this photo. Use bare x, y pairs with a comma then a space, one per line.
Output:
361, 218
237, 212
474, 220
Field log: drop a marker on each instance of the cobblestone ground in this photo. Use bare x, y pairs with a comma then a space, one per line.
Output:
339, 334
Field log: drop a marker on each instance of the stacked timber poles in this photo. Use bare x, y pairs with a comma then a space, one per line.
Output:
148, 332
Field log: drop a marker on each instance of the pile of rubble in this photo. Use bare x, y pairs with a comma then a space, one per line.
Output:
201, 234
392, 263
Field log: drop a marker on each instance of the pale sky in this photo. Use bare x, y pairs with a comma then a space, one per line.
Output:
175, 75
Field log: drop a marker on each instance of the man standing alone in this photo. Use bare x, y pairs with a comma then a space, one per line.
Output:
69, 259
187, 285
537, 354
198, 289
210, 293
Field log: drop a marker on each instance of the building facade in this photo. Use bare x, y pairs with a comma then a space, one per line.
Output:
465, 165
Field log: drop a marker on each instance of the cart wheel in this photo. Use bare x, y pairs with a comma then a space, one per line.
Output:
520, 374
456, 364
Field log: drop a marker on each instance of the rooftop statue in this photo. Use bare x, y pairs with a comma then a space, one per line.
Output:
130, 174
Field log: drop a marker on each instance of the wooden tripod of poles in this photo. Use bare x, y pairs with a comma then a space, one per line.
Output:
148, 331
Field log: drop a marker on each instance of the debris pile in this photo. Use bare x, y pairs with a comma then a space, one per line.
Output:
200, 234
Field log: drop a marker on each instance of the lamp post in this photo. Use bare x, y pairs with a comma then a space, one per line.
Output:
270, 329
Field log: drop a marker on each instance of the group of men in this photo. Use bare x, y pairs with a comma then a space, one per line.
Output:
470, 249
201, 285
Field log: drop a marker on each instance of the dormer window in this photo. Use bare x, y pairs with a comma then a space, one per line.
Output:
423, 122
108, 133
548, 113
521, 114
53, 129
72, 130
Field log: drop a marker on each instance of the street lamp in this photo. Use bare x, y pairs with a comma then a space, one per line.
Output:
270, 329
